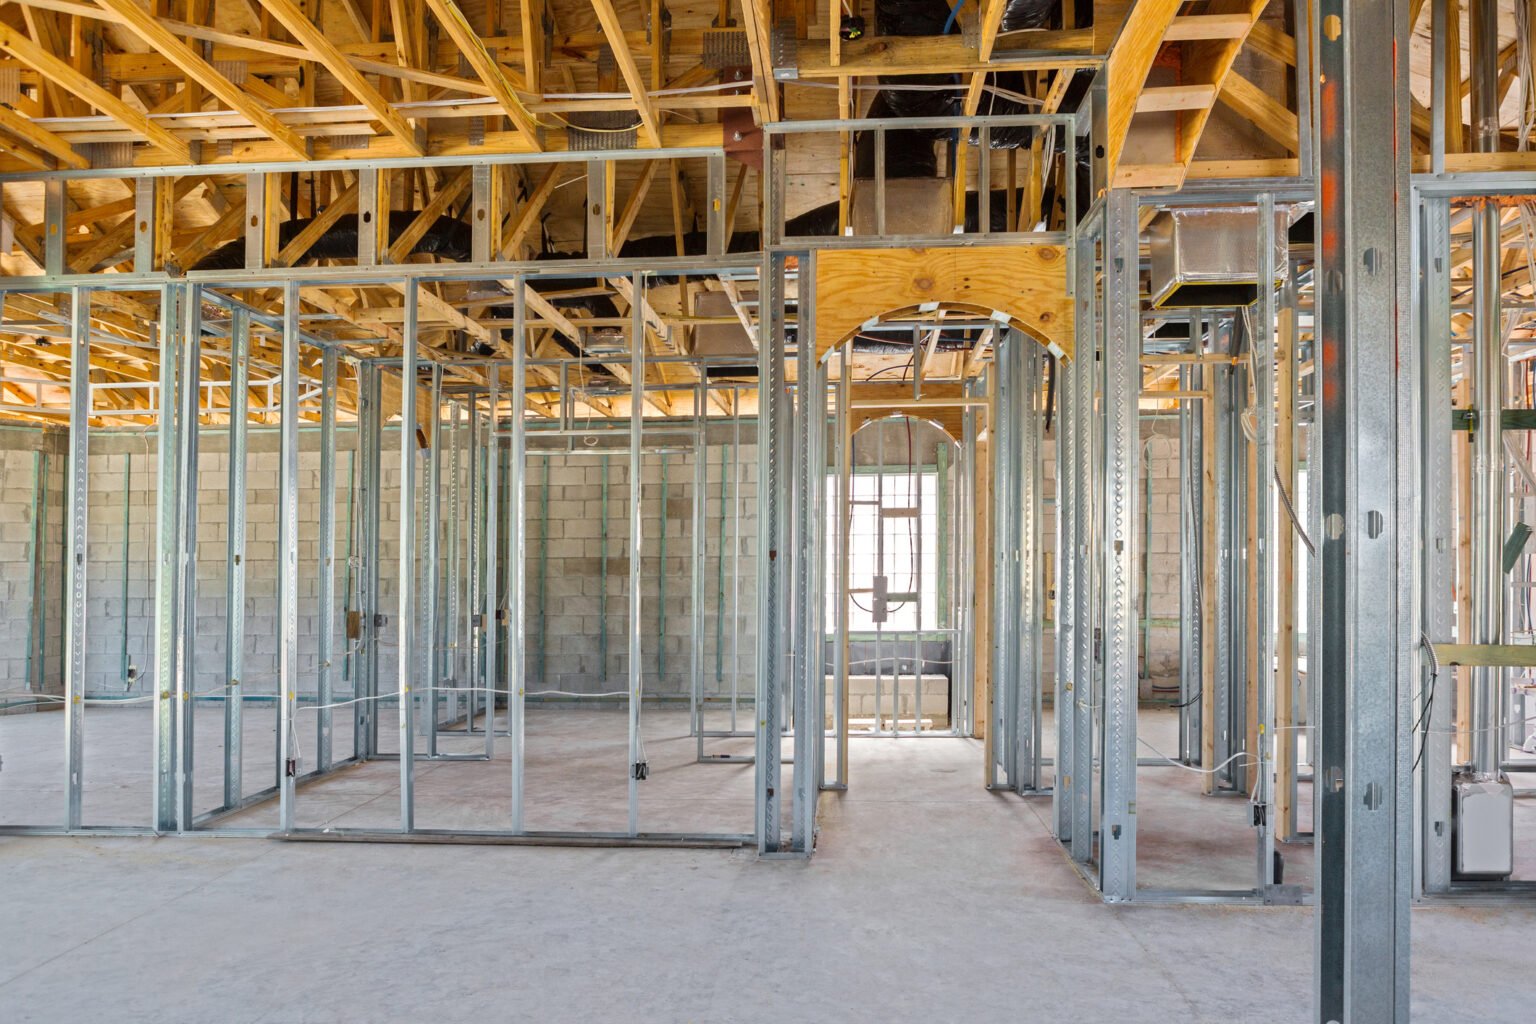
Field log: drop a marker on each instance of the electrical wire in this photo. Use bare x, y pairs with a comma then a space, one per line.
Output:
1527, 94
1429, 702
995, 90
1241, 754
1285, 499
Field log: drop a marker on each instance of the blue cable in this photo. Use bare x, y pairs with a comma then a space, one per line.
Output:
950, 22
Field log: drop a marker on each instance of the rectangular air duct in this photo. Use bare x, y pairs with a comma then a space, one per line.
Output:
721, 339
1206, 257
604, 342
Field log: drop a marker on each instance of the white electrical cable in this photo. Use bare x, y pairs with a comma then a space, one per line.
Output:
1190, 768
995, 90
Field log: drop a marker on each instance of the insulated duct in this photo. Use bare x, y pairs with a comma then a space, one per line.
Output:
447, 238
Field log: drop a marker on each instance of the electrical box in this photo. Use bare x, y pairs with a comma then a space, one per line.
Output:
881, 591
1483, 811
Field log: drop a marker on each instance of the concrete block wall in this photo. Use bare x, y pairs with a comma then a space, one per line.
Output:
564, 623
22, 474
121, 528
570, 626
124, 547
1160, 514
1162, 538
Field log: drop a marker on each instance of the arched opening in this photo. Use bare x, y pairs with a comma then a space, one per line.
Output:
905, 557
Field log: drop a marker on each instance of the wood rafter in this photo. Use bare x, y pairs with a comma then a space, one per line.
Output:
148, 28
41, 138
326, 53
485, 67
633, 79
76, 83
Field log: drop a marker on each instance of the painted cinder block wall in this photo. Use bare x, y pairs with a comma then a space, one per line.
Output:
31, 477
1159, 540
122, 543
569, 633
575, 593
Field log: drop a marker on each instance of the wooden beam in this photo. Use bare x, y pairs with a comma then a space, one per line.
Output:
1129, 62
1285, 558
486, 67
1208, 556
1206, 26
57, 71
990, 21
227, 228
1268, 114
626, 221
326, 53
531, 18
1176, 97
528, 216
1267, 39
1211, 61
927, 55
299, 246
633, 79
24, 129
1496, 655
757, 18
401, 248
148, 28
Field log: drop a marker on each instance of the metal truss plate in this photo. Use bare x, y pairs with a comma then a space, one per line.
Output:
107, 154
725, 48
234, 70
786, 49
606, 65
601, 130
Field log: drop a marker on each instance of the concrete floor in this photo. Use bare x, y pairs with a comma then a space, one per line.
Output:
929, 899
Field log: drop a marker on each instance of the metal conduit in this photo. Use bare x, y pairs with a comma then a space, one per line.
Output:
1488, 369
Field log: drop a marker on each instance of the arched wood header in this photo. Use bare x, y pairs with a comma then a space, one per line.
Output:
1024, 286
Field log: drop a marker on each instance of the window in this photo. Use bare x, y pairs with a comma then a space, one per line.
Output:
893, 548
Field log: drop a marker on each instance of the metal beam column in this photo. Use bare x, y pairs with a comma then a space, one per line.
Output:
1437, 483
77, 571
288, 553
167, 508
1364, 784
234, 569
1122, 448
773, 486
406, 631
326, 619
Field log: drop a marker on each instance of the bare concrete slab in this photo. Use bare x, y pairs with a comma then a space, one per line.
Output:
930, 900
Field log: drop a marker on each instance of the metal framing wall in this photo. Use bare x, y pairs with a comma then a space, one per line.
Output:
1365, 525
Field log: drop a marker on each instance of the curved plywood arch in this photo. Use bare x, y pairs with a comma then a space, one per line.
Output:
916, 415
1024, 286
876, 400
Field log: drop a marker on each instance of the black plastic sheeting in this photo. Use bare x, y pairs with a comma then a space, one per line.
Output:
448, 238
1031, 14
911, 17
911, 153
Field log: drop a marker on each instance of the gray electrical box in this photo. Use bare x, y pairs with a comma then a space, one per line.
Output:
879, 611
1483, 809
